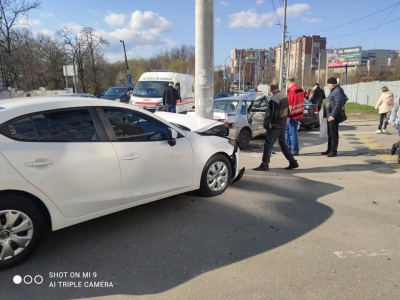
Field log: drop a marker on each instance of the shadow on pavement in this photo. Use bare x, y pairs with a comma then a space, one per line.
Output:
156, 247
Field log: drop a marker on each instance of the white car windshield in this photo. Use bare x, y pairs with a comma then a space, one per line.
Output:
150, 89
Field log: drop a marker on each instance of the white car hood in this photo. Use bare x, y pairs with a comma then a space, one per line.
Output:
193, 122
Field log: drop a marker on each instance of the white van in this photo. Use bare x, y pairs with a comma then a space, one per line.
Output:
149, 89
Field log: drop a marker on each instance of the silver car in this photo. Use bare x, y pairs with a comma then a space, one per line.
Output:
243, 114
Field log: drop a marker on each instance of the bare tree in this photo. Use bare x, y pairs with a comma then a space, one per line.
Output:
84, 47
93, 42
11, 11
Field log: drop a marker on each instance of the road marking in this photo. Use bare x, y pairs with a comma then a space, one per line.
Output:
361, 253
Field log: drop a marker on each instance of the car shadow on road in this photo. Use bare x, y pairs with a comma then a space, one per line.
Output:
158, 246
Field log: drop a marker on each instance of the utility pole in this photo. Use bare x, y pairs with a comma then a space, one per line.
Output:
204, 64
128, 72
283, 45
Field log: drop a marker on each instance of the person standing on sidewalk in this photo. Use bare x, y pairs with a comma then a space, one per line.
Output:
275, 122
317, 97
332, 110
384, 105
395, 120
170, 97
295, 95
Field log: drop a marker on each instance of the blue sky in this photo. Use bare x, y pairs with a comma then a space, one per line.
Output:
151, 26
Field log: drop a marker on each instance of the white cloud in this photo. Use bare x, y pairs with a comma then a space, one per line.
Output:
25, 21
47, 14
114, 19
149, 21
259, 2
253, 19
294, 10
217, 21
223, 3
312, 20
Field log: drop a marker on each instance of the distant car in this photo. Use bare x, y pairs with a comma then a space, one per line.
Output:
243, 115
221, 95
119, 94
84, 95
310, 116
66, 160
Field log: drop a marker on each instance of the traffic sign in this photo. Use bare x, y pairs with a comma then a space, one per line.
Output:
129, 76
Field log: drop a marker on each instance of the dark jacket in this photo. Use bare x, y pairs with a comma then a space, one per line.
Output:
336, 100
170, 96
276, 115
318, 96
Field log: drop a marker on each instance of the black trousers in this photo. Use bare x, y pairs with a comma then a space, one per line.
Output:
333, 136
271, 136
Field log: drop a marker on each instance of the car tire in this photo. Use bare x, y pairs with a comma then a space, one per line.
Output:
243, 139
22, 226
216, 176
309, 127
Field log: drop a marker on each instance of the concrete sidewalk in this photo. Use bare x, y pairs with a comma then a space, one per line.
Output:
359, 149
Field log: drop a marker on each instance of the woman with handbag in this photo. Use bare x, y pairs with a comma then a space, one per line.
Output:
384, 105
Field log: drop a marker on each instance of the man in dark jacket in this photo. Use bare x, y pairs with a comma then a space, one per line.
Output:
275, 122
170, 97
332, 111
317, 97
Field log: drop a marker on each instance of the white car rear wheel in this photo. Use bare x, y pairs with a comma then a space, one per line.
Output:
21, 229
216, 176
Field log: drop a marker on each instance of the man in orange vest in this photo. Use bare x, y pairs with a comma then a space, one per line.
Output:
295, 96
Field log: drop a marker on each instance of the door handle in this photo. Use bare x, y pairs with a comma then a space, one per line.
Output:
132, 156
41, 162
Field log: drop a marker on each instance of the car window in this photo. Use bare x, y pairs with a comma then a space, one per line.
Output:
20, 129
53, 126
259, 105
227, 105
130, 125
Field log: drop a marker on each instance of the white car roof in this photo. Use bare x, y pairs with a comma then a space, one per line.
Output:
248, 96
11, 108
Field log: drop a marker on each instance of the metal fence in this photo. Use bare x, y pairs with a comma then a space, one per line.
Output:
368, 92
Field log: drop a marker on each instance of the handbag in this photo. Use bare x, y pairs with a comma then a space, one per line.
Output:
342, 116
323, 128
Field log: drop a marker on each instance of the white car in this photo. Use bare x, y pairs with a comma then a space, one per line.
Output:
65, 161
243, 114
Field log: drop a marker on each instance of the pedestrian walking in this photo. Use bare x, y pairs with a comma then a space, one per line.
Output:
384, 105
333, 112
295, 95
275, 122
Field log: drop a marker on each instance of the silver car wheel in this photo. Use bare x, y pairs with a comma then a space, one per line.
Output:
16, 231
217, 176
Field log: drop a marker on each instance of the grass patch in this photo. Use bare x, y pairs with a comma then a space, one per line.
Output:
356, 110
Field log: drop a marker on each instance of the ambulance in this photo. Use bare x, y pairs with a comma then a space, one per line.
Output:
148, 91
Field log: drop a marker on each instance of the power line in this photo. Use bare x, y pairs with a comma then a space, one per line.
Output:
276, 15
351, 22
383, 21
365, 30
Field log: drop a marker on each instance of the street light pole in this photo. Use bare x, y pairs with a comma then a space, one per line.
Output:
283, 46
225, 73
128, 72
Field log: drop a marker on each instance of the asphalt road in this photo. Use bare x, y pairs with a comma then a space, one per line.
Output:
328, 230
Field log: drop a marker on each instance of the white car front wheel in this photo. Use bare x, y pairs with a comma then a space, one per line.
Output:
216, 176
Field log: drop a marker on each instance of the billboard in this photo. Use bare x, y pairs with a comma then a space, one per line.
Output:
344, 57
